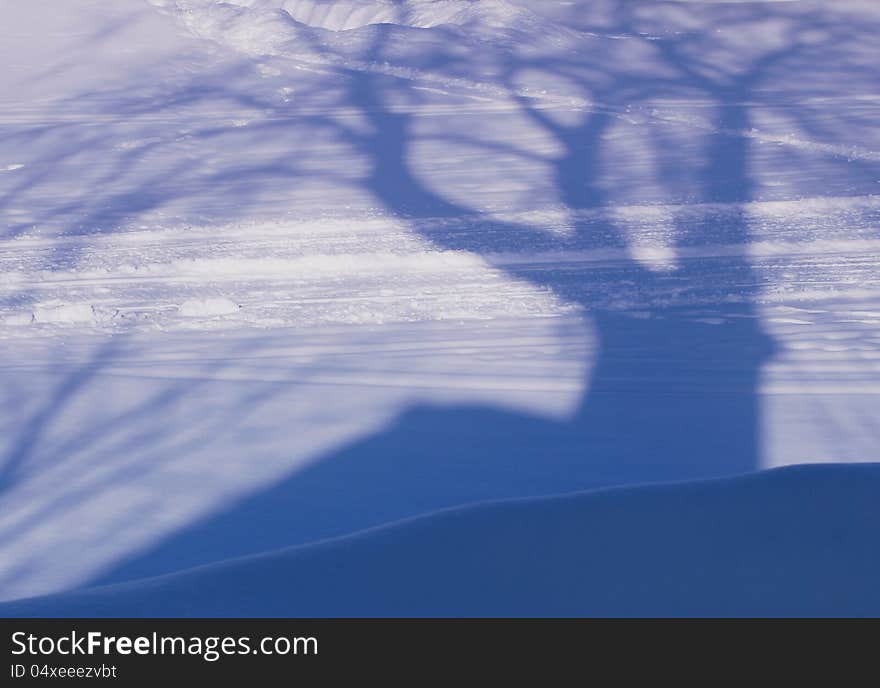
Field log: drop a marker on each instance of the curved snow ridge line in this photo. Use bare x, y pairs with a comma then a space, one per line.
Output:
821, 389
797, 207
849, 152
343, 15
347, 15
352, 264
260, 28
835, 292
337, 265
541, 99
801, 208
664, 254
383, 380
753, 545
254, 232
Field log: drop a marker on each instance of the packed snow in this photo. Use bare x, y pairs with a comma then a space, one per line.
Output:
278, 271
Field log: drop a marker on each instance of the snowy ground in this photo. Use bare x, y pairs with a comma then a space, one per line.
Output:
273, 271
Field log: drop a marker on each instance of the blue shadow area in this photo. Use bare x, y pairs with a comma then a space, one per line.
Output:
670, 397
790, 542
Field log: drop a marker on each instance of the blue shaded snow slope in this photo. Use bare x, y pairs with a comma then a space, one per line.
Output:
793, 541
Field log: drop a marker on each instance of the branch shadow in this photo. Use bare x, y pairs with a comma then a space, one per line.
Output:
673, 394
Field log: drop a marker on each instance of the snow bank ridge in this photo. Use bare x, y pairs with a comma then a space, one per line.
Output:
635, 551
343, 15
55, 313
271, 26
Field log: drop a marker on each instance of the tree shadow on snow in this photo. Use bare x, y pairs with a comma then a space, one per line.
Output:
672, 394
670, 397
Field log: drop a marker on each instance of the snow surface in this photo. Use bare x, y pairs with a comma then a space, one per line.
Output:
275, 271
791, 542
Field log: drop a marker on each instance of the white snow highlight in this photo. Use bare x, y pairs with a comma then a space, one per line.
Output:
64, 313
205, 308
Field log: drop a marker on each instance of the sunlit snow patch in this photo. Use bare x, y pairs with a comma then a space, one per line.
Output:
18, 319
650, 235
206, 308
64, 313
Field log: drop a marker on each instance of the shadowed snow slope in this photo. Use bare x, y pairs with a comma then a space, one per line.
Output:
793, 541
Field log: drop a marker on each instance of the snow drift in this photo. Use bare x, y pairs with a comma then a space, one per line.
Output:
792, 542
